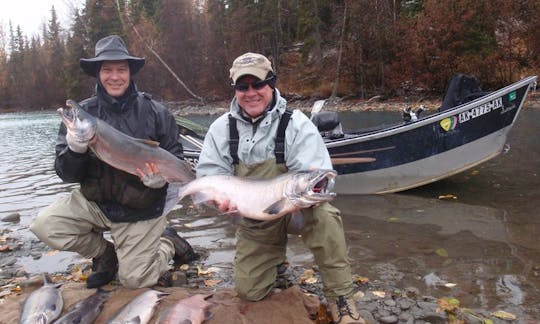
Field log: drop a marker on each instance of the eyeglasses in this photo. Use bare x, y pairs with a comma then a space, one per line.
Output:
243, 87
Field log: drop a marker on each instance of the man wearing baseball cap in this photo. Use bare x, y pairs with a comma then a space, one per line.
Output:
127, 206
261, 138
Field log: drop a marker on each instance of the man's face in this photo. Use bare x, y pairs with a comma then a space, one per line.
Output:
114, 76
253, 101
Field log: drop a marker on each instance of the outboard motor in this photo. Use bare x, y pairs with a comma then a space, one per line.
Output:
328, 124
461, 89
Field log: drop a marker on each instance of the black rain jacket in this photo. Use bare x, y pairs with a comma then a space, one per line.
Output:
121, 196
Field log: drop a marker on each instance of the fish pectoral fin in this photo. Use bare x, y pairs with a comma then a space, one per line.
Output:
135, 320
148, 142
200, 197
276, 207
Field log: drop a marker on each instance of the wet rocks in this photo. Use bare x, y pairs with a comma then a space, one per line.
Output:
11, 218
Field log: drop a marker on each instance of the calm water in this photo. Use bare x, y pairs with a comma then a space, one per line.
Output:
485, 241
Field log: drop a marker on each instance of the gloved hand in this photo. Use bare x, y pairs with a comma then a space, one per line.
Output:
152, 178
75, 145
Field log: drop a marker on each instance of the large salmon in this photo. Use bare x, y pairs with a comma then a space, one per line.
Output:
264, 199
86, 310
140, 310
43, 305
120, 150
193, 310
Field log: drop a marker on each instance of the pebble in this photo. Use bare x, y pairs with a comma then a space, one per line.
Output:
12, 218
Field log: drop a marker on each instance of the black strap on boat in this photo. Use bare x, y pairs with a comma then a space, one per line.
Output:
279, 149
234, 138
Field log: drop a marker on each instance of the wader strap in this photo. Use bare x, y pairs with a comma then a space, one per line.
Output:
279, 149
233, 139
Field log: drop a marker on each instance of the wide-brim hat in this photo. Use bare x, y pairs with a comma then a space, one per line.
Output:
110, 48
250, 63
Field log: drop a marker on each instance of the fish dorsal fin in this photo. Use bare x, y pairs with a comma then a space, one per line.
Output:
276, 207
148, 142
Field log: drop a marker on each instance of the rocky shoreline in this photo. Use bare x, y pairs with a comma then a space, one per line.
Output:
377, 301
191, 107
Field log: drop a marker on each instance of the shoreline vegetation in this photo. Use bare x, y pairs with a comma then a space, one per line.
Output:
377, 103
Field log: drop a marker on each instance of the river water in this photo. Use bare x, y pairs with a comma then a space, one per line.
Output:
484, 239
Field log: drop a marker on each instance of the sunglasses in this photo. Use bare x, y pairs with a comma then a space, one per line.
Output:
243, 87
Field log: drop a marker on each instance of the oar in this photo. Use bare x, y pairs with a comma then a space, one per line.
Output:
352, 160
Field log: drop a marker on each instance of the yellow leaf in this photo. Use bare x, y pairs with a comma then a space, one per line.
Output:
448, 304
442, 252
393, 219
184, 267
51, 253
311, 280
380, 294
504, 315
211, 282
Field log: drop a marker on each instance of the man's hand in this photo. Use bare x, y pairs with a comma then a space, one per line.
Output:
75, 144
225, 206
152, 178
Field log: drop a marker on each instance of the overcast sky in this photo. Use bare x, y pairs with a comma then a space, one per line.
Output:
31, 14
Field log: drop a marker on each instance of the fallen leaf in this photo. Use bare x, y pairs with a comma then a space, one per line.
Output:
361, 280
307, 275
211, 282
442, 252
504, 315
209, 271
448, 304
184, 267
51, 253
450, 285
5, 248
311, 280
447, 197
380, 294
393, 219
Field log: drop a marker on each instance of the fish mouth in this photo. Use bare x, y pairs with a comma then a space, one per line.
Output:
321, 185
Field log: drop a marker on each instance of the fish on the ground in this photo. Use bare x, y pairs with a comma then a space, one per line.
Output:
43, 305
120, 150
86, 310
140, 310
193, 310
264, 199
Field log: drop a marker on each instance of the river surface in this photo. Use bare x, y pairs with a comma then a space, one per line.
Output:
484, 239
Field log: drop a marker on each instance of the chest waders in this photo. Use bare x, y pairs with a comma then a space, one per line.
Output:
261, 245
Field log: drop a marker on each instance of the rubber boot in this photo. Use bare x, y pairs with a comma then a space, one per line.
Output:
183, 252
104, 268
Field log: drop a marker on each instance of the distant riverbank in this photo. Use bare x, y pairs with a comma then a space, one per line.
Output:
193, 107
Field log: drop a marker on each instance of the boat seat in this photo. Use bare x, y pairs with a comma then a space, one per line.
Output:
328, 124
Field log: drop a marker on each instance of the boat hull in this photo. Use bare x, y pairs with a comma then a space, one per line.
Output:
412, 154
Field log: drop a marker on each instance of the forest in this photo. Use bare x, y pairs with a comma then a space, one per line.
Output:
319, 48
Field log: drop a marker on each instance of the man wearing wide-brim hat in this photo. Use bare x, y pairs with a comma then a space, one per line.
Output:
130, 207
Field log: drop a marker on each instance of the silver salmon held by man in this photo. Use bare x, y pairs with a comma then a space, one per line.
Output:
265, 199
120, 150
44, 305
